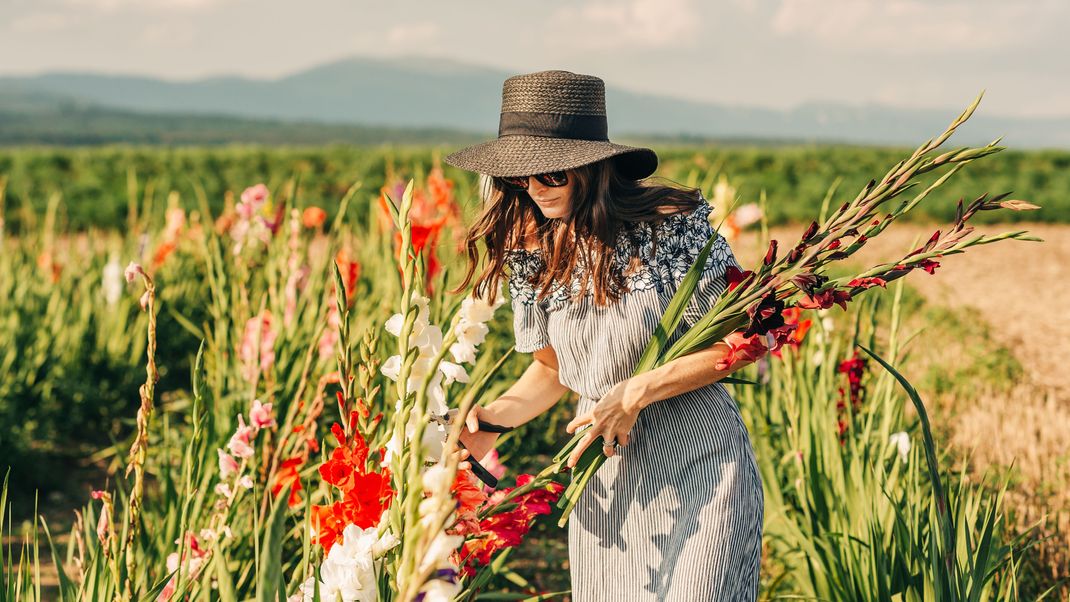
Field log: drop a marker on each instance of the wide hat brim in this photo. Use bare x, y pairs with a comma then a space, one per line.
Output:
509, 156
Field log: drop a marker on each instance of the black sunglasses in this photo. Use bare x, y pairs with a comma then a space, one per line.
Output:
552, 179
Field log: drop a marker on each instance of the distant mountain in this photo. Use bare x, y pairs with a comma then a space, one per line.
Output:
28, 118
424, 92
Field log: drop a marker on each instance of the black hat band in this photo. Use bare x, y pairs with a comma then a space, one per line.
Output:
553, 125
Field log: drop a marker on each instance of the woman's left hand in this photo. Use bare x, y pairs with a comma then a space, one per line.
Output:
611, 418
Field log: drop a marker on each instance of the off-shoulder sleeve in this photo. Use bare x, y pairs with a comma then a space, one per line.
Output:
529, 314
688, 240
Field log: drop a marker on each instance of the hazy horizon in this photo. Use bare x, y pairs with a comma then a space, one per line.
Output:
774, 54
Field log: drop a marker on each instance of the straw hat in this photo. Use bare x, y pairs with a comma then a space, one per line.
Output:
552, 121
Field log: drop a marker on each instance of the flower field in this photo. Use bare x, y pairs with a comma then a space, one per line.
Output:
237, 357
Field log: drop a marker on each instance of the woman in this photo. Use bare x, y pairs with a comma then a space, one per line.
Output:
594, 256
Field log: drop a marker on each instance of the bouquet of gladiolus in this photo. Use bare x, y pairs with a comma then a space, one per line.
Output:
409, 520
754, 302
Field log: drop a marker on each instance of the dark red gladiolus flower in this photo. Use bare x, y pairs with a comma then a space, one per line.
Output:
825, 300
765, 315
929, 265
809, 232
795, 254
770, 255
854, 368
834, 244
808, 282
734, 276
793, 332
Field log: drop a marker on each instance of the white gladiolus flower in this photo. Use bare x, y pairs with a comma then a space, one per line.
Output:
828, 323
436, 478
348, 572
112, 281
453, 372
436, 397
429, 341
478, 309
439, 552
902, 441
463, 352
747, 214
391, 368
440, 590
818, 356
472, 333
393, 325
386, 541
434, 438
393, 449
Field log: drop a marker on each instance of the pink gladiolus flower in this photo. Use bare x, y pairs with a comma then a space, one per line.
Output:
228, 466
194, 563
493, 466
105, 520
252, 199
133, 271
251, 357
239, 441
260, 415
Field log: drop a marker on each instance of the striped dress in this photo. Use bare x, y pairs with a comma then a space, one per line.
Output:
675, 515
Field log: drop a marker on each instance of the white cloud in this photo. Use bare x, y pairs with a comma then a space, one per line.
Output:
407, 34
908, 27
645, 23
41, 23
115, 5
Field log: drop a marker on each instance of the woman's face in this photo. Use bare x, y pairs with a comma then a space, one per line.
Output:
553, 201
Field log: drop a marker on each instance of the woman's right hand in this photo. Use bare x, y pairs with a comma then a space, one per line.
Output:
477, 442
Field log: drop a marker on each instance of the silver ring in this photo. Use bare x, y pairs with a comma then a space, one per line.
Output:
611, 442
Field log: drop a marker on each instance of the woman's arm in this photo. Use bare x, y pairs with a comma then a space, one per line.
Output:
689, 372
537, 389
613, 417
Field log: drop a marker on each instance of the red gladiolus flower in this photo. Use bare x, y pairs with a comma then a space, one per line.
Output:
365, 494
867, 282
795, 336
350, 269
467, 491
507, 529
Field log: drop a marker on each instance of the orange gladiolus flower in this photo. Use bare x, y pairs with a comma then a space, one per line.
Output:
313, 217
288, 474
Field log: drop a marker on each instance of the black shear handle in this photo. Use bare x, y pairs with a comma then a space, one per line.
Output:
477, 469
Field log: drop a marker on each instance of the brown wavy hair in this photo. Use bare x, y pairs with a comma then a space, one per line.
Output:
604, 201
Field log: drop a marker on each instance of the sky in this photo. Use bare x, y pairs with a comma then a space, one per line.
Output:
762, 53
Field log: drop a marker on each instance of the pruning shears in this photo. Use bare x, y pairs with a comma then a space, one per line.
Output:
482, 473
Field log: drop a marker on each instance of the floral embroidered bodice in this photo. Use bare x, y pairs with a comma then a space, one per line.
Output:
681, 237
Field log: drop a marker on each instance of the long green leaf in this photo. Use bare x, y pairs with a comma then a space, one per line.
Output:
270, 570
